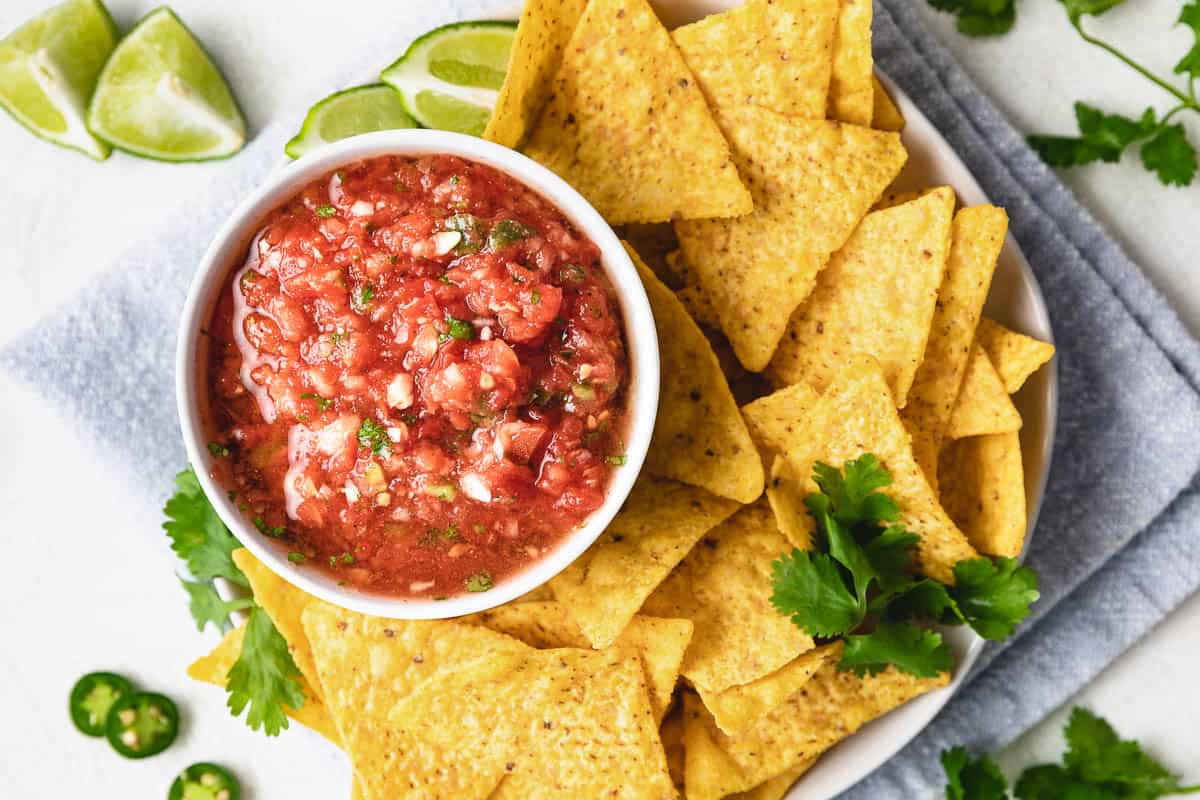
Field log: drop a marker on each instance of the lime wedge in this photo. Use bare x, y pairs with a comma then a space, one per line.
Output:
349, 112
160, 96
48, 69
450, 77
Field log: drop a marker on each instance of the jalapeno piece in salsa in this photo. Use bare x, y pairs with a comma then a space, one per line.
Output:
93, 696
142, 724
204, 781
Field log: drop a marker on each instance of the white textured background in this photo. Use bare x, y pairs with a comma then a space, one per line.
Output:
87, 586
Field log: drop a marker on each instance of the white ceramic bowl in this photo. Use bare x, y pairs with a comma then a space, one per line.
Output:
229, 248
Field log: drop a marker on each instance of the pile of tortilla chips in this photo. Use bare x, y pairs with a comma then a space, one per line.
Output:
750, 157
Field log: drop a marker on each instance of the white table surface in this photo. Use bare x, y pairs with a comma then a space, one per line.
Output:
89, 582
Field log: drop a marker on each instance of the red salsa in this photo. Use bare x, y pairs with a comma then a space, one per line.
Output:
417, 378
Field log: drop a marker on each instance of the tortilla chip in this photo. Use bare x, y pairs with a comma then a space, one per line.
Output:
724, 587
885, 116
812, 182
856, 415
542, 592
984, 491
893, 199
671, 733
978, 235
660, 521
214, 668
699, 307
537, 51
628, 127
284, 604
356, 791
1014, 355
699, 436
773, 53
709, 773
659, 643
774, 421
982, 405
655, 242
778, 786
877, 296
851, 92
831, 706
785, 493
739, 707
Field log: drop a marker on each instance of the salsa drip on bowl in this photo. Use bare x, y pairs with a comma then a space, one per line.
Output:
417, 378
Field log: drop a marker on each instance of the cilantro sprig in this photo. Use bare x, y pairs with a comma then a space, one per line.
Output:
265, 677
860, 581
1098, 764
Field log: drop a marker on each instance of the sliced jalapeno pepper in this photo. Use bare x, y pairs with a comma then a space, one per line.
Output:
142, 724
204, 781
92, 697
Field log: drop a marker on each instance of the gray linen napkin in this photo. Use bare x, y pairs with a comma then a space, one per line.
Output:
1116, 545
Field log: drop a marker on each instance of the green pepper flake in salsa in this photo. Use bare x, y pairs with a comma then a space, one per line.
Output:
386, 371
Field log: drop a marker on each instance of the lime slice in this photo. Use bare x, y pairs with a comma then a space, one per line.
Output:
450, 77
160, 96
349, 112
48, 69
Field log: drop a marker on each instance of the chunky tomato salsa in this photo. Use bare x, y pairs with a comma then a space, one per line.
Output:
417, 377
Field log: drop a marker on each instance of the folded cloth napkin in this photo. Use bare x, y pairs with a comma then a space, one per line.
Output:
1114, 547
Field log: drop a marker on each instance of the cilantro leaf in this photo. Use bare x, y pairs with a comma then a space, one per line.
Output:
1171, 156
972, 779
1104, 137
1096, 754
914, 650
1190, 63
891, 556
1052, 782
980, 17
264, 678
993, 596
197, 534
852, 492
926, 599
1076, 9
208, 607
808, 587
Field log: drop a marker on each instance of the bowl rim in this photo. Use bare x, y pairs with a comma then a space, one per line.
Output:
229, 244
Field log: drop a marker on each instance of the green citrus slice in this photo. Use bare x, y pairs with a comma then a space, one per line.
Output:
160, 96
48, 70
349, 112
450, 77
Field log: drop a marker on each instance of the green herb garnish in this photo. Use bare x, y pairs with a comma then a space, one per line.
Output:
326, 211
507, 231
460, 329
472, 233
267, 530
297, 557
323, 403
217, 449
479, 582
366, 293
373, 436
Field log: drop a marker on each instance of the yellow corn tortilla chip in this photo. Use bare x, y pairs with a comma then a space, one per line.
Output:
543, 31
628, 127
671, 733
776, 787
655, 242
885, 116
812, 182
699, 435
984, 491
775, 420
739, 707
659, 643
724, 587
785, 494
831, 706
851, 92
1014, 355
893, 199
774, 53
699, 307
978, 234
856, 415
660, 521
214, 668
877, 296
709, 773
982, 405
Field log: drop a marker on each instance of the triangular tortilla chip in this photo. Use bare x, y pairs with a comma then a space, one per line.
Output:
628, 127
724, 587
775, 420
786, 491
699, 435
812, 182
775, 788
739, 707
1014, 355
671, 733
856, 415
851, 93
537, 51
660, 521
777, 54
709, 773
885, 116
876, 296
984, 491
982, 406
978, 235
659, 643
